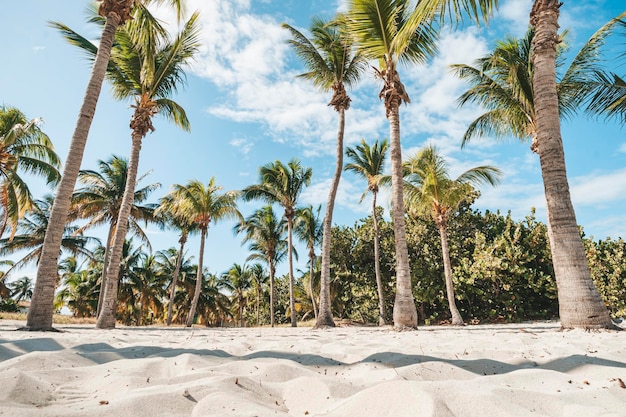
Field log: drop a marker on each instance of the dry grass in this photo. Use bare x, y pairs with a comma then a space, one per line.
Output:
57, 318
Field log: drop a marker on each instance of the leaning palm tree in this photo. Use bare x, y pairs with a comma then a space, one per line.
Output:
333, 64
201, 205
504, 83
100, 198
266, 234
148, 69
24, 148
308, 229
282, 184
116, 13
368, 163
429, 189
167, 210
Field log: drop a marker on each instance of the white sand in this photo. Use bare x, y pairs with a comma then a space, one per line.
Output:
487, 370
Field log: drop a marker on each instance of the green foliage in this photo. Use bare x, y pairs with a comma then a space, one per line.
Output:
607, 262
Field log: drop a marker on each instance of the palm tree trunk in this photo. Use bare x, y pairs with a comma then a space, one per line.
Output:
311, 289
270, 261
379, 280
106, 320
325, 317
179, 260
292, 297
404, 311
41, 308
457, 320
258, 304
580, 305
105, 265
196, 294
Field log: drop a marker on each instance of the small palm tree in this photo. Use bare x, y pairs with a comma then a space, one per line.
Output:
259, 278
238, 280
100, 200
24, 148
21, 289
201, 205
309, 229
368, 163
429, 189
116, 13
266, 234
282, 184
333, 64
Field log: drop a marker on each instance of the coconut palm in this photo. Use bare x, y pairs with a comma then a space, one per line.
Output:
238, 280
30, 237
148, 283
167, 211
504, 83
580, 304
282, 184
100, 199
368, 162
430, 190
332, 64
308, 229
201, 205
21, 289
24, 148
148, 68
266, 234
114, 13
258, 278
174, 264
79, 287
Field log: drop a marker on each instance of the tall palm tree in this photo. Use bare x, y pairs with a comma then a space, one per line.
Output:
30, 238
308, 229
24, 148
333, 64
580, 304
368, 163
100, 199
238, 281
282, 184
383, 32
148, 68
430, 190
266, 234
201, 205
116, 13
504, 83
167, 210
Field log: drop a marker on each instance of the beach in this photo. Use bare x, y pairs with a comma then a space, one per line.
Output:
527, 369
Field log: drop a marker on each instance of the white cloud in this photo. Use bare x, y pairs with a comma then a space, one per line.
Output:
243, 145
517, 12
599, 190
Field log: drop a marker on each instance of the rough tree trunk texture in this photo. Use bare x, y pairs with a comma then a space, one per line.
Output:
105, 264
580, 305
107, 317
379, 280
42, 302
311, 289
198, 290
404, 311
457, 320
325, 316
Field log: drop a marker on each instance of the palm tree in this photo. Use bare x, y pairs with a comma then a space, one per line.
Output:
429, 189
266, 234
21, 289
238, 280
384, 32
79, 287
99, 200
116, 13
504, 83
167, 211
24, 148
580, 304
258, 278
149, 284
308, 229
31, 235
368, 163
149, 70
282, 184
333, 65
174, 264
201, 205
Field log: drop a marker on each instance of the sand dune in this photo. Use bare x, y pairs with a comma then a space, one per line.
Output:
530, 369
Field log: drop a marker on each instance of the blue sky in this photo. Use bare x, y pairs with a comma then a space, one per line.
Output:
247, 109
